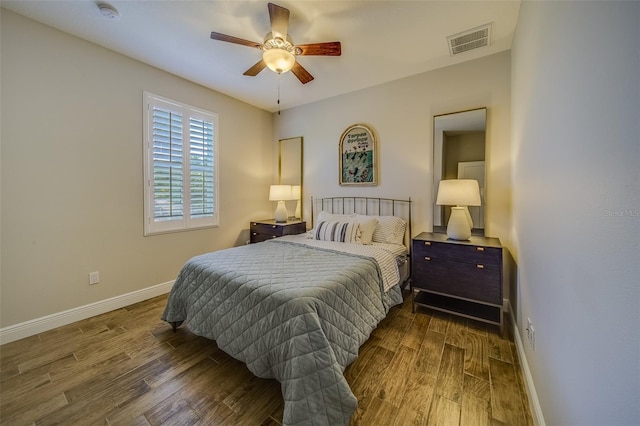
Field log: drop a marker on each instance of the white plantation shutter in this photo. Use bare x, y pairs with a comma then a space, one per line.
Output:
201, 177
167, 165
180, 166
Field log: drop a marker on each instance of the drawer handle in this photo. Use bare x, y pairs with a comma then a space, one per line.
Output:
480, 266
254, 224
273, 226
427, 258
273, 236
254, 233
480, 248
427, 243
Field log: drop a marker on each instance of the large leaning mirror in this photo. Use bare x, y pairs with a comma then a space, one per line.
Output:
459, 153
290, 172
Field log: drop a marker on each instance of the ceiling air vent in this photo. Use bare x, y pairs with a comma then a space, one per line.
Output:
469, 40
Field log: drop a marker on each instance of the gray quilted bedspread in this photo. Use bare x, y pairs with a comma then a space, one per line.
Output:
294, 313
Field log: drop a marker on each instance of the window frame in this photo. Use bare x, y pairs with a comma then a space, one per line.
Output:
186, 223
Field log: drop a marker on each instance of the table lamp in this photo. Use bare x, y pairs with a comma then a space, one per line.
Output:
280, 193
295, 195
459, 193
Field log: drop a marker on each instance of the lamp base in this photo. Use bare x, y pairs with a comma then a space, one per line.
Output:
281, 214
458, 227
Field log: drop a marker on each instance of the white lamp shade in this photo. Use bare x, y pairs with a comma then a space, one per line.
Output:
279, 192
295, 192
458, 192
278, 60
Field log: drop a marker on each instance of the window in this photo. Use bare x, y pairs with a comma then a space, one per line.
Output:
180, 166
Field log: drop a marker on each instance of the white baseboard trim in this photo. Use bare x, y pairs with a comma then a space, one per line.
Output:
534, 402
49, 322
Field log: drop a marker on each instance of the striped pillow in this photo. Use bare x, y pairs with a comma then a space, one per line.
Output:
344, 232
390, 229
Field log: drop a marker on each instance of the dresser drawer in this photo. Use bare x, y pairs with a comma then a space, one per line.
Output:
481, 282
458, 252
268, 229
258, 238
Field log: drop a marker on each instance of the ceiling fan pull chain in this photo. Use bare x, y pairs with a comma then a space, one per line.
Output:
279, 74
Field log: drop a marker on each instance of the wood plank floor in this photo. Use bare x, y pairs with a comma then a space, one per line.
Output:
127, 367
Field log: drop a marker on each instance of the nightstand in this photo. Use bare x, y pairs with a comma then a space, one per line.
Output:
459, 277
267, 229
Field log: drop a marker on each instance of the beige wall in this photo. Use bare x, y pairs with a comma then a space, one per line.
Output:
576, 206
71, 165
401, 114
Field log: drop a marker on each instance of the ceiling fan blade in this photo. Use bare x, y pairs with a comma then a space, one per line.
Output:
254, 70
279, 21
302, 74
332, 48
236, 40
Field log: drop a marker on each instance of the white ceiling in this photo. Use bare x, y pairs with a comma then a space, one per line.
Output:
381, 40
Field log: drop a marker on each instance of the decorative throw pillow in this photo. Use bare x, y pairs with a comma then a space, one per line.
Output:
344, 232
367, 227
325, 216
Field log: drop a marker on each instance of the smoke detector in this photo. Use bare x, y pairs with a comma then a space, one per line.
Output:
108, 11
470, 39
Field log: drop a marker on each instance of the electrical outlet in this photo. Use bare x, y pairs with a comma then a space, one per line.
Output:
531, 333
532, 338
94, 278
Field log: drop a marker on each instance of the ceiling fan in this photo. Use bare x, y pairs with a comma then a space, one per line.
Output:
278, 50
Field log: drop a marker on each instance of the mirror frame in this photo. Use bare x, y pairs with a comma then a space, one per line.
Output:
466, 120
290, 157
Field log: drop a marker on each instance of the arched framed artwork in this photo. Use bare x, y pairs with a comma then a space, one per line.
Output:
357, 152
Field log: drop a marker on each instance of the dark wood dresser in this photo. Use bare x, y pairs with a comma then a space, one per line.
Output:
267, 229
459, 277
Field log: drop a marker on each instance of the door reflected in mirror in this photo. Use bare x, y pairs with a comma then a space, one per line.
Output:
290, 172
459, 146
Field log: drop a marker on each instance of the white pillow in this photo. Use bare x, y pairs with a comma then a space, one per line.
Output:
326, 216
367, 227
344, 232
390, 229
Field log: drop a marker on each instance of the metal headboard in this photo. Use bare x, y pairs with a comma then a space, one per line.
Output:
368, 206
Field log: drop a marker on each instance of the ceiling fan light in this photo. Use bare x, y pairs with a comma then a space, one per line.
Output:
278, 60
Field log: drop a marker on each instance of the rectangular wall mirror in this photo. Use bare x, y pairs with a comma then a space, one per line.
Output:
459, 153
290, 172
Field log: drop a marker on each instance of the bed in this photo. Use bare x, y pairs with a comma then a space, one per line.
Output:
297, 308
